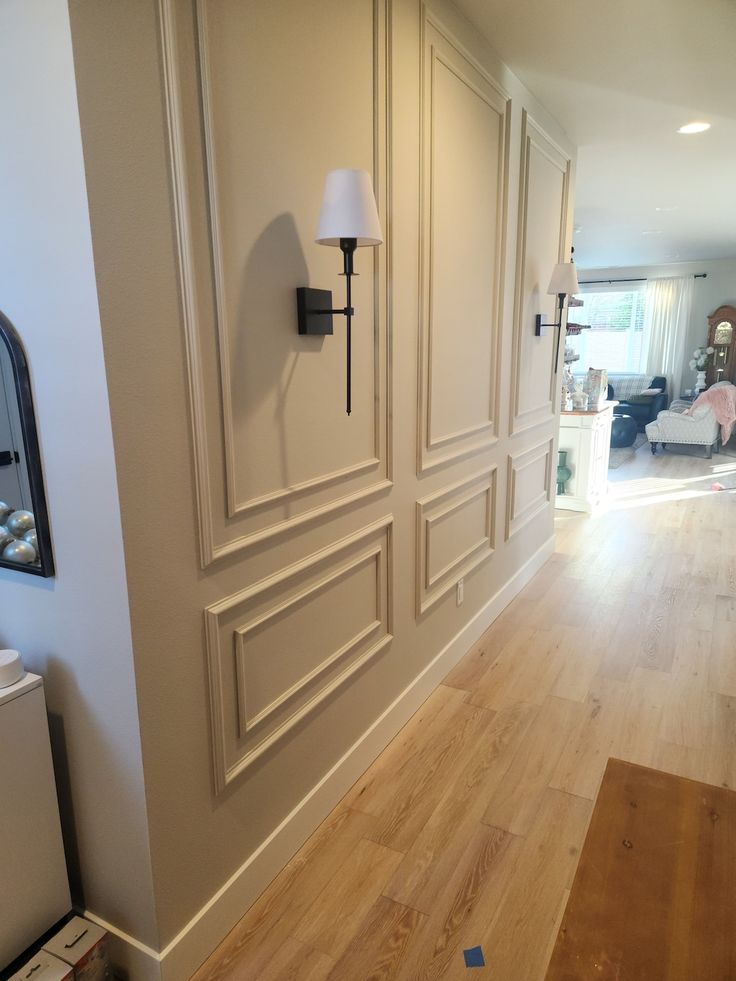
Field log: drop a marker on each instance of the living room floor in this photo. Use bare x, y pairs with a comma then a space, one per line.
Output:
466, 831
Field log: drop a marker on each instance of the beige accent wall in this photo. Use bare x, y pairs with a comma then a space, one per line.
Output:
293, 571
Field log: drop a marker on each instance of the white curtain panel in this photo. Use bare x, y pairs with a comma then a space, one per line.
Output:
666, 320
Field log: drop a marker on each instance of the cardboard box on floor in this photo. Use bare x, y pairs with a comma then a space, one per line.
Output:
83, 945
44, 967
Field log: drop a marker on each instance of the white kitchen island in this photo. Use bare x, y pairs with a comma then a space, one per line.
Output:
586, 436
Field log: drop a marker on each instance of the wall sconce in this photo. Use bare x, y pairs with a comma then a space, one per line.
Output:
348, 220
564, 282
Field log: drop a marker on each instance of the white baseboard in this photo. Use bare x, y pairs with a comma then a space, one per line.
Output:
184, 954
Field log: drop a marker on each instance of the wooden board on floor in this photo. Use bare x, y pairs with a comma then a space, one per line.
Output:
653, 895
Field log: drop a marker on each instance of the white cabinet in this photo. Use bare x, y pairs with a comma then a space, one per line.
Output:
586, 436
33, 877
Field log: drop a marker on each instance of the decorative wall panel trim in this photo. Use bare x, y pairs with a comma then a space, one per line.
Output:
445, 505
245, 522
250, 721
439, 48
520, 466
243, 732
533, 137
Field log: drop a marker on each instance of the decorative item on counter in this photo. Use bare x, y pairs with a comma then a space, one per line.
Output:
568, 387
596, 387
18, 538
563, 471
698, 363
579, 399
11, 668
5, 510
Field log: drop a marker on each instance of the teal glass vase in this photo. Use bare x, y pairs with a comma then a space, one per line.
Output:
563, 471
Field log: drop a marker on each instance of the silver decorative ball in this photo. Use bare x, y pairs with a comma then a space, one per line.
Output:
20, 522
32, 538
5, 537
20, 551
5, 510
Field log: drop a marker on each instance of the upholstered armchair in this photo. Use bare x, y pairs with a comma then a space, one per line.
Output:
674, 426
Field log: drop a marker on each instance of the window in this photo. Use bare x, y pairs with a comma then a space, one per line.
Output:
616, 337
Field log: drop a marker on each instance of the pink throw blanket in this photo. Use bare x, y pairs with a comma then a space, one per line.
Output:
722, 401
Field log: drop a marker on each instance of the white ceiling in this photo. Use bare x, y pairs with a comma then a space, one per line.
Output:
621, 76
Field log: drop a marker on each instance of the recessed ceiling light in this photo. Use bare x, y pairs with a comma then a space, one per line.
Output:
653, 231
668, 207
694, 128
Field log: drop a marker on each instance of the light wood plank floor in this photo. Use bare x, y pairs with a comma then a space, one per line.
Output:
467, 828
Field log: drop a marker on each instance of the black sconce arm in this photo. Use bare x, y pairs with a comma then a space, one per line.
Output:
313, 318
539, 325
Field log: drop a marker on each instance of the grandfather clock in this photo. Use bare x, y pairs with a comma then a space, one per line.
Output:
722, 337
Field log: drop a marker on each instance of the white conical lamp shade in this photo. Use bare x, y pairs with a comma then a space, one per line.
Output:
564, 279
348, 209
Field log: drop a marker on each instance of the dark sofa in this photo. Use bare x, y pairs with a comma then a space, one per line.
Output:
642, 408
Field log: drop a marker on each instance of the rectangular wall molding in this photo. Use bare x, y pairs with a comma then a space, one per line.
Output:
528, 486
544, 189
291, 650
455, 534
465, 118
217, 396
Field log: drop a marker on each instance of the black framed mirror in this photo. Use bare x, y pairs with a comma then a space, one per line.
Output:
25, 537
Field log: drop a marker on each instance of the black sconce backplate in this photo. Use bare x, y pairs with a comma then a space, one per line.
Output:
314, 310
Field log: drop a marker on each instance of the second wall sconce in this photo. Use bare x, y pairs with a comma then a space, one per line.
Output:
564, 282
348, 220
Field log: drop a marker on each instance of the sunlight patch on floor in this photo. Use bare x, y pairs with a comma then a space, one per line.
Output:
647, 491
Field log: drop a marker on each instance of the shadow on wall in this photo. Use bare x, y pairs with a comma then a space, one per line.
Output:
66, 807
266, 347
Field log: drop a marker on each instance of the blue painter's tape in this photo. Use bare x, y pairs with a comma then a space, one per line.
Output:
474, 957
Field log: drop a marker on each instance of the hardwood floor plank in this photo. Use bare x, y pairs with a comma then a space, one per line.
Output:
684, 761
247, 950
474, 665
409, 750
725, 609
722, 661
334, 916
517, 942
580, 664
377, 950
526, 672
687, 707
515, 802
465, 908
296, 962
579, 769
621, 648
720, 767
412, 792
657, 646
421, 879
636, 736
